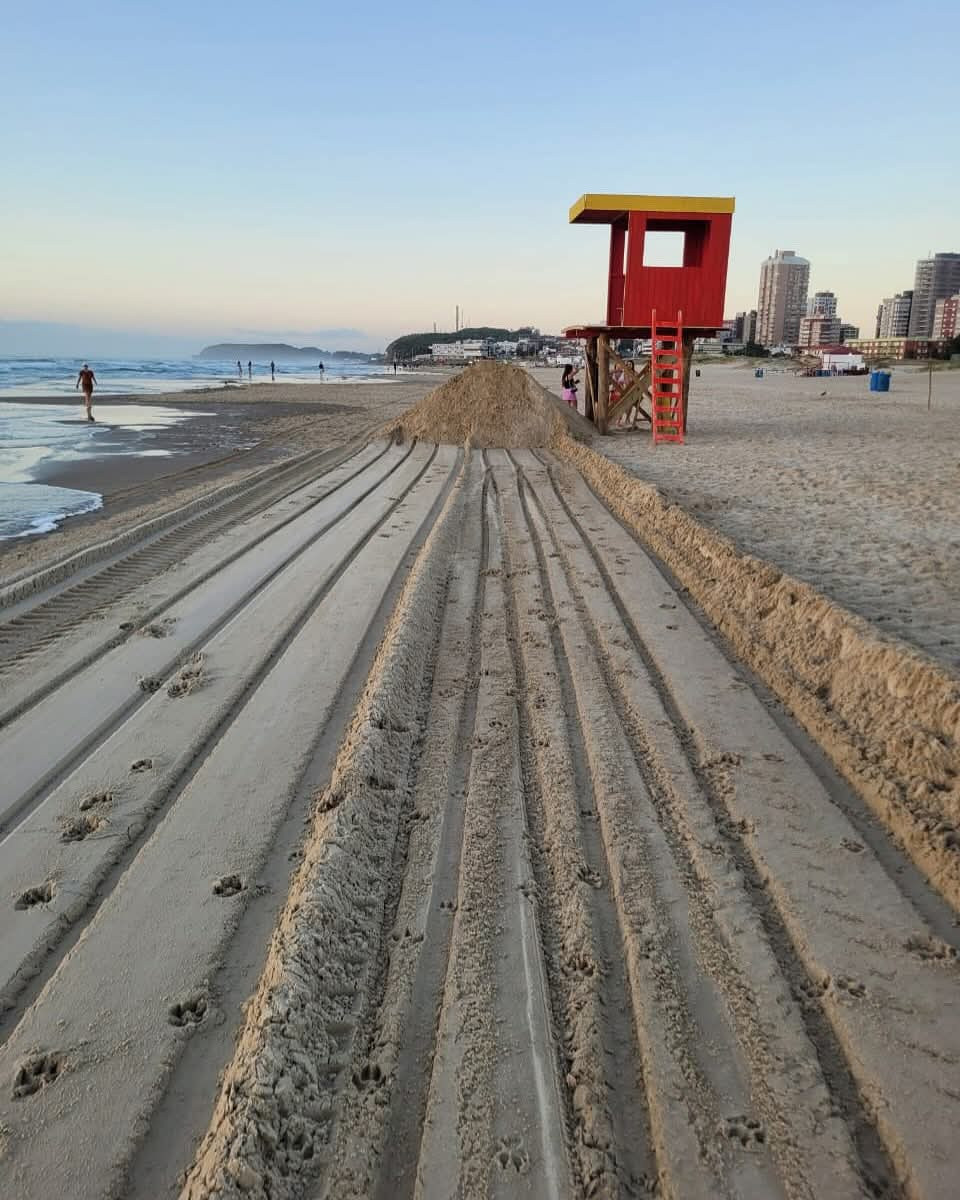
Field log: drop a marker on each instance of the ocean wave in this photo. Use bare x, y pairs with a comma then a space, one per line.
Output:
27, 509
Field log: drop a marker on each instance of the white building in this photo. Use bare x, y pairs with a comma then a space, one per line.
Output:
839, 359
893, 317
463, 351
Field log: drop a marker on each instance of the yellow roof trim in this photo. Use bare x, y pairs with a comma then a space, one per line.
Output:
593, 202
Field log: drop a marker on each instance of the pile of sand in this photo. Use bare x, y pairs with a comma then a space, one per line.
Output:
489, 404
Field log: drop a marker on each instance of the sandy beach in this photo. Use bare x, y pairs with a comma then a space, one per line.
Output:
856, 493
421, 806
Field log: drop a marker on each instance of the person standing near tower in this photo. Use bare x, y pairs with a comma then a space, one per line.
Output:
249, 370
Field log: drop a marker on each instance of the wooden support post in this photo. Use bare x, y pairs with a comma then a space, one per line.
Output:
603, 382
590, 371
688, 340
637, 384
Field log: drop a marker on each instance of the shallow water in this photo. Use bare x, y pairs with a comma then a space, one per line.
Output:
36, 435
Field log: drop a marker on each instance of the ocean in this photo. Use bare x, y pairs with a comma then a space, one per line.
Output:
35, 435
25, 377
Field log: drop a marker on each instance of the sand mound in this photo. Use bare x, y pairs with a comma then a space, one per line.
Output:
489, 404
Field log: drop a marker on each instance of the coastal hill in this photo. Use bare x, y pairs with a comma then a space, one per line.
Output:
279, 352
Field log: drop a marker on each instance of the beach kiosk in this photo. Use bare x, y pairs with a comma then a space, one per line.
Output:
672, 306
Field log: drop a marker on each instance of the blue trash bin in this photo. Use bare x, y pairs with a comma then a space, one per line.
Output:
883, 381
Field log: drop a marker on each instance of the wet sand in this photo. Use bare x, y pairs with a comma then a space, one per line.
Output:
249, 428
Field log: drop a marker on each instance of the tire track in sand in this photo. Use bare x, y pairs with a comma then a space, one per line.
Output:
875, 989
121, 1043
611, 1136
379, 1133
32, 625
494, 1092
171, 741
736, 1036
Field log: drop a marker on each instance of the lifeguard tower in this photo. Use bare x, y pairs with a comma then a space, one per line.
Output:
672, 306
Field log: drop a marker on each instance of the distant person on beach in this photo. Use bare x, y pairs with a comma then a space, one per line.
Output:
239, 369
86, 380
568, 386
320, 367
249, 369
394, 366
273, 371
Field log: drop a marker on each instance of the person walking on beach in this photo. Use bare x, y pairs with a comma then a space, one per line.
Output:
568, 386
239, 369
86, 379
249, 370
320, 367
273, 371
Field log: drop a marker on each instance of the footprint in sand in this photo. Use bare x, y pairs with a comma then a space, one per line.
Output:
748, 1131
188, 1012
97, 800
512, 1154
75, 829
34, 896
228, 885
35, 1073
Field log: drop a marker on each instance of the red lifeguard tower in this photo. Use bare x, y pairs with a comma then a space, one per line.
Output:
672, 306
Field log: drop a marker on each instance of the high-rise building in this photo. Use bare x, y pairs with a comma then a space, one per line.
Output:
893, 315
936, 279
819, 330
848, 332
783, 298
749, 327
946, 317
823, 304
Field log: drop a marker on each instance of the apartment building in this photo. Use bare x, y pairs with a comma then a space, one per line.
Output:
946, 318
893, 316
898, 348
819, 330
782, 304
823, 304
937, 278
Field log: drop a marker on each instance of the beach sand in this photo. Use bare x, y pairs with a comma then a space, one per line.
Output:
396, 824
854, 492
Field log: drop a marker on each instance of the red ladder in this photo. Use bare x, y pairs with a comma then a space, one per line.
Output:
666, 387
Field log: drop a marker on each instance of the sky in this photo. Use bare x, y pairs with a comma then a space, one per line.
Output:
315, 173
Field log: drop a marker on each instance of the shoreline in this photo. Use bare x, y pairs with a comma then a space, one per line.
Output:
243, 431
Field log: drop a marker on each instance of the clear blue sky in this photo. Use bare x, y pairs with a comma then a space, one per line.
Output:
213, 169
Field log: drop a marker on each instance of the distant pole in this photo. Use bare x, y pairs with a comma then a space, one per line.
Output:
457, 319
929, 380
